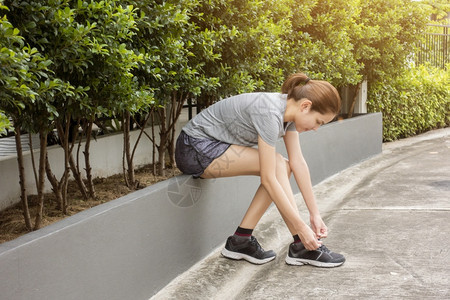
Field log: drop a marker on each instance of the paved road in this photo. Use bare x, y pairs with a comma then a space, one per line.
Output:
388, 215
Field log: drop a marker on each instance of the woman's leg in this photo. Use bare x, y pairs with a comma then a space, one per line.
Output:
239, 160
235, 161
245, 161
261, 201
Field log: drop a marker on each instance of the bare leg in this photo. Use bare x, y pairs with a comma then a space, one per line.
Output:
238, 160
261, 201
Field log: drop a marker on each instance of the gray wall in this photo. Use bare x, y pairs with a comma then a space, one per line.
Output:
131, 247
341, 144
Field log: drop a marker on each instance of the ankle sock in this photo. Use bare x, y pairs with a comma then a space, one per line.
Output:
296, 239
243, 233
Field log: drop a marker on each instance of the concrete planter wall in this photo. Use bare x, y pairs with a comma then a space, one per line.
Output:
129, 248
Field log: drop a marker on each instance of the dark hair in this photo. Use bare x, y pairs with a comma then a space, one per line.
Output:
324, 97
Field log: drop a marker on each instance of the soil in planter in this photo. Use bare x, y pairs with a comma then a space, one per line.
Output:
12, 224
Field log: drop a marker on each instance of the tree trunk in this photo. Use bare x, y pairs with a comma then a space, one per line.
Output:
87, 161
54, 182
153, 142
142, 125
65, 177
352, 105
23, 191
63, 133
171, 128
30, 142
78, 179
163, 136
176, 108
128, 167
41, 179
74, 163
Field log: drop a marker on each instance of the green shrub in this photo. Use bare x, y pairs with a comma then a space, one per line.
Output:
415, 101
4, 123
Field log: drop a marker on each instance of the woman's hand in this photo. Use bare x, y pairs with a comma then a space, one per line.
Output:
318, 227
309, 239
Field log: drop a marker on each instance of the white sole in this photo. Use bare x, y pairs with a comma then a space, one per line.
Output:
300, 262
238, 256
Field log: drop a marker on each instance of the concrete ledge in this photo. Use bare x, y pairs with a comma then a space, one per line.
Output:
131, 247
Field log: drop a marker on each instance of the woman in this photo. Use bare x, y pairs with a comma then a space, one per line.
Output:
221, 142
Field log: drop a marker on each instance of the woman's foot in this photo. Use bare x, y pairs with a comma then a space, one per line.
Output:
322, 257
248, 249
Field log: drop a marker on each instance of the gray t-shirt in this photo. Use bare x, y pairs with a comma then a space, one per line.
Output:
239, 120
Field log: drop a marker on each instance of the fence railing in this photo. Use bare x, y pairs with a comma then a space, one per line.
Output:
434, 48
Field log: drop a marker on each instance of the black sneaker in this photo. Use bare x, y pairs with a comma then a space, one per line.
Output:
248, 249
322, 257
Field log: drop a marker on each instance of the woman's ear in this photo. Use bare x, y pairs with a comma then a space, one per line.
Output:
305, 105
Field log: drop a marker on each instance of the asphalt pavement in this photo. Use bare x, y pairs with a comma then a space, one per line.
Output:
388, 215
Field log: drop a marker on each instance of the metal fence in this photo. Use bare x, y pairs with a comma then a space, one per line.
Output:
434, 48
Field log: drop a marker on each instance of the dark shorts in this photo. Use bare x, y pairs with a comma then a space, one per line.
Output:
193, 155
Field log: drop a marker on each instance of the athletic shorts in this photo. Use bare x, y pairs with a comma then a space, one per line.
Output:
194, 155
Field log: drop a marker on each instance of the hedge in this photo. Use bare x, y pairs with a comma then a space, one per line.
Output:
415, 101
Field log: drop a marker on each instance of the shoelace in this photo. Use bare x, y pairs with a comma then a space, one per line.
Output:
253, 241
323, 248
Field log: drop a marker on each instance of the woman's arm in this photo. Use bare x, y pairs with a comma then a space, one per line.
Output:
268, 174
303, 178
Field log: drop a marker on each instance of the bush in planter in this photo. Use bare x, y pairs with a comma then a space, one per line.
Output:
415, 101
322, 40
384, 35
85, 45
248, 38
4, 123
175, 51
26, 84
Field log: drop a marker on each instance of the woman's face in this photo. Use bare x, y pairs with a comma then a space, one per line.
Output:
307, 119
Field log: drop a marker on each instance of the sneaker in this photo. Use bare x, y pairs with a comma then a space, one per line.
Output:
322, 257
248, 249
